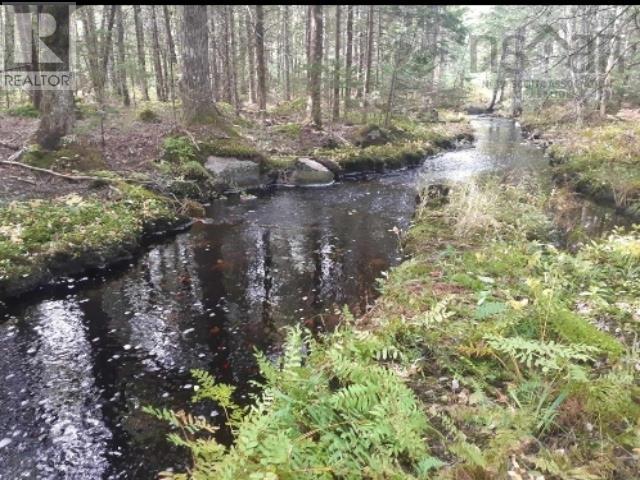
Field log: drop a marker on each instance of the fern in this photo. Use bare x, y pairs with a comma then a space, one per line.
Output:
547, 356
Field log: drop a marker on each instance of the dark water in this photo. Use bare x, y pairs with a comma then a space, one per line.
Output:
76, 366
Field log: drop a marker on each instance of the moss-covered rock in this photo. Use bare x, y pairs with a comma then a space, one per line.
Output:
72, 155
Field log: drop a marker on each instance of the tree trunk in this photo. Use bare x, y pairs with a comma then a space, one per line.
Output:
122, 72
213, 54
315, 96
336, 69
157, 59
142, 69
349, 59
197, 99
226, 57
234, 59
173, 58
57, 112
516, 106
107, 44
287, 55
251, 39
367, 79
262, 71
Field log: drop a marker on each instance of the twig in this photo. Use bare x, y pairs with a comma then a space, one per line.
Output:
72, 178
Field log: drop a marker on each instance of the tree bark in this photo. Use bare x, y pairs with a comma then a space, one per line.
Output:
336, 69
349, 59
157, 59
173, 58
197, 99
213, 54
251, 39
315, 95
142, 68
369, 59
122, 72
287, 54
262, 71
57, 112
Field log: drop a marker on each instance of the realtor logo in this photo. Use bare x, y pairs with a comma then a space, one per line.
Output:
37, 46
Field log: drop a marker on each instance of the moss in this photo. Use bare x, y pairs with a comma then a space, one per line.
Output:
179, 149
147, 115
602, 162
231, 148
72, 156
193, 170
289, 129
279, 162
40, 239
574, 329
378, 158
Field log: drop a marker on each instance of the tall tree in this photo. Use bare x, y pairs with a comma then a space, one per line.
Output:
262, 70
142, 68
197, 98
251, 40
336, 69
315, 77
122, 70
287, 54
349, 59
57, 112
213, 52
173, 58
369, 58
161, 91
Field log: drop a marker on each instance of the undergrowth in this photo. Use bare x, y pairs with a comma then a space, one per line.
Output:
36, 235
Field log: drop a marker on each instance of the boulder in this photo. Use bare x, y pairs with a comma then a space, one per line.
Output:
233, 173
310, 172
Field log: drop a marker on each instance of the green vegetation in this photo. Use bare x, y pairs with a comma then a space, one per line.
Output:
25, 111
405, 143
71, 156
148, 115
290, 107
603, 162
234, 147
507, 343
290, 129
41, 238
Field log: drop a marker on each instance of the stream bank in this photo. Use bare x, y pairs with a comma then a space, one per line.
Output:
80, 363
83, 234
521, 358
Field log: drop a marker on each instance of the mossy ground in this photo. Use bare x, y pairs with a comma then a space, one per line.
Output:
40, 239
522, 360
409, 142
603, 162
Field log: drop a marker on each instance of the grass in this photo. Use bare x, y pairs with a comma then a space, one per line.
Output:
39, 238
24, 111
521, 361
603, 161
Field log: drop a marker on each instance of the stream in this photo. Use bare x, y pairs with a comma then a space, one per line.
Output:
77, 364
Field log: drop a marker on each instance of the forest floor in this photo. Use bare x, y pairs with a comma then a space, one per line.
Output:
490, 354
148, 170
600, 159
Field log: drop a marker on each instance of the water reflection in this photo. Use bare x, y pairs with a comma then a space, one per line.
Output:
51, 405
